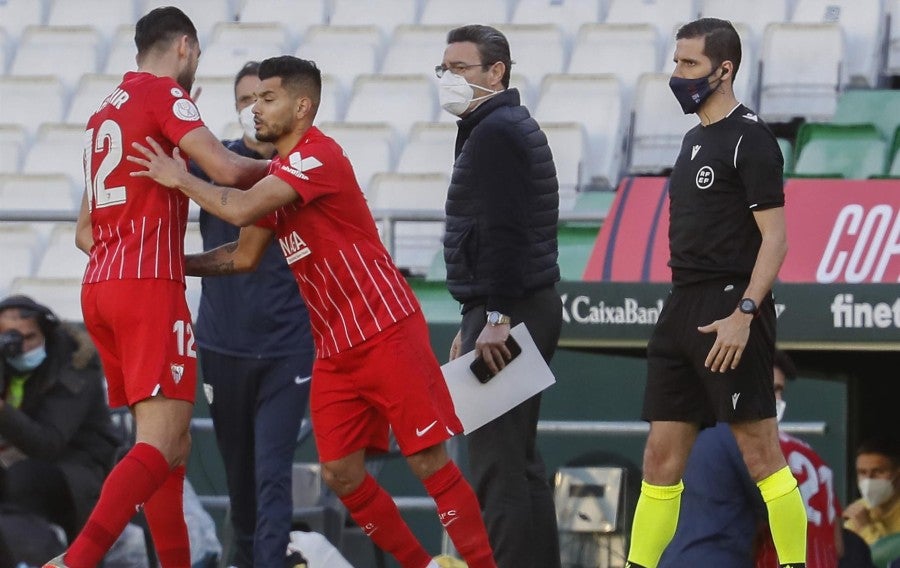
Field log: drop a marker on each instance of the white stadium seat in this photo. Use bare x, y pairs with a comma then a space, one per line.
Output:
658, 126
266, 33
297, 15
369, 146
386, 14
624, 50
37, 192
596, 102
400, 100
863, 23
92, 90
122, 52
58, 149
29, 101
345, 55
893, 55
64, 51
12, 148
801, 70
662, 14
567, 15
16, 15
755, 15
64, 294
227, 58
103, 15
568, 142
61, 259
414, 242
216, 101
203, 13
415, 49
460, 12
20, 244
429, 149
537, 50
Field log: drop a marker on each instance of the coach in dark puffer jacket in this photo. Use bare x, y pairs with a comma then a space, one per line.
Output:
500, 247
57, 442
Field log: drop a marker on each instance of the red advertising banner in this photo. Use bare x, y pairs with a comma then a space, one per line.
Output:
839, 231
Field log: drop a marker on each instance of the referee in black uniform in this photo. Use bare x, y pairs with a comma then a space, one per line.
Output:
710, 357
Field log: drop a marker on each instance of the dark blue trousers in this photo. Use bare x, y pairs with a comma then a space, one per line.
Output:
257, 408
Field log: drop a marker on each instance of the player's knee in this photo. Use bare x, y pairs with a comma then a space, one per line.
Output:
341, 478
426, 462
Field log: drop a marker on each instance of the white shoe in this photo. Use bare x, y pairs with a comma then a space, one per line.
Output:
56, 562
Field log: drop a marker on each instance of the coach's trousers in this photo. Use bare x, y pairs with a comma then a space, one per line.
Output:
505, 468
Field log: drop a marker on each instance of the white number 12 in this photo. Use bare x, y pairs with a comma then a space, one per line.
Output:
109, 138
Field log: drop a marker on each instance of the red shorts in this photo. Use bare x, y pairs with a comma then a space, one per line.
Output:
142, 330
392, 380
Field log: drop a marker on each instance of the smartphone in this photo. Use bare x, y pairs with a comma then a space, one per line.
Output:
480, 369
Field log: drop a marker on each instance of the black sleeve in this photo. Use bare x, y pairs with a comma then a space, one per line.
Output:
500, 171
760, 166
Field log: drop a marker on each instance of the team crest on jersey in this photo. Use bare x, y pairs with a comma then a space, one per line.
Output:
185, 110
705, 177
177, 93
177, 372
293, 247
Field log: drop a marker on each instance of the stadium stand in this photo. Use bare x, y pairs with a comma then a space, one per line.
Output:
204, 13
755, 16
58, 149
37, 192
568, 16
568, 142
16, 15
31, 100
400, 100
878, 107
344, 52
386, 14
89, 93
121, 52
60, 259
300, 14
805, 83
12, 148
852, 151
459, 12
657, 126
21, 243
661, 14
415, 49
596, 102
103, 15
537, 50
64, 294
370, 146
428, 149
624, 50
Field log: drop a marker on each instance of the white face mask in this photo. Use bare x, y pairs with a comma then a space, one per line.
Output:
780, 405
875, 491
245, 117
456, 94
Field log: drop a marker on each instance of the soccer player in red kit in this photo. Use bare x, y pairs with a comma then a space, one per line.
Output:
374, 366
133, 289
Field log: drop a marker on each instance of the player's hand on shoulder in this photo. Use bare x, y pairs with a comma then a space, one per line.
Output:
161, 168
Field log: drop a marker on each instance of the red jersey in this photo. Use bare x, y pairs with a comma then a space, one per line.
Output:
329, 239
816, 483
138, 225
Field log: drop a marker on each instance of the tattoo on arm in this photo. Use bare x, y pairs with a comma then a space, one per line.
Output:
216, 262
224, 196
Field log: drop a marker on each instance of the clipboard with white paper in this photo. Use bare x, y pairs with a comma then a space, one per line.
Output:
478, 403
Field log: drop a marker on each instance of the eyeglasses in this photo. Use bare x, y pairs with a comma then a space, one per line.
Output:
457, 68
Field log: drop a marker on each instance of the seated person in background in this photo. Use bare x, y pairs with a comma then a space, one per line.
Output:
57, 442
877, 513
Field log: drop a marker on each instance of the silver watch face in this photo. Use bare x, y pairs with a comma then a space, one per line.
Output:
748, 306
493, 317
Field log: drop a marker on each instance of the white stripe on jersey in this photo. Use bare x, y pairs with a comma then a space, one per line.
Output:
322, 317
115, 253
359, 289
388, 282
141, 250
374, 283
333, 303
121, 258
736, 146
402, 288
156, 257
362, 335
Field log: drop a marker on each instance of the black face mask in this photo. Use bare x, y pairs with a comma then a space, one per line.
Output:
692, 92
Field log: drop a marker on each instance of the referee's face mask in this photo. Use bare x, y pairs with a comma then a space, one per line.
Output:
692, 92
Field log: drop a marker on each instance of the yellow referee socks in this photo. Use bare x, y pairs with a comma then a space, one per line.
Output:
655, 519
787, 516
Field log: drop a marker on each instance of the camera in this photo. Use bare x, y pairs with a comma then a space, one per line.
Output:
11, 343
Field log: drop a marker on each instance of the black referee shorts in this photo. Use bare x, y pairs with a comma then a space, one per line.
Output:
680, 388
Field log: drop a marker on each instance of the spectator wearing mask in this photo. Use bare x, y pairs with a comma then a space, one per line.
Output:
57, 442
877, 513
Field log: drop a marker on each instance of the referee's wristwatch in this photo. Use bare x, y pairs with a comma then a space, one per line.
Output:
496, 318
748, 306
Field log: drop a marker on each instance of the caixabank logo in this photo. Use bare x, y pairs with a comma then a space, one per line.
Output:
582, 309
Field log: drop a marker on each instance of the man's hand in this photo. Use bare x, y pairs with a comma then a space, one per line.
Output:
858, 515
491, 346
162, 169
456, 346
732, 334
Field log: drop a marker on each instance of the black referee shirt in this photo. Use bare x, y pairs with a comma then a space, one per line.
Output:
723, 173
